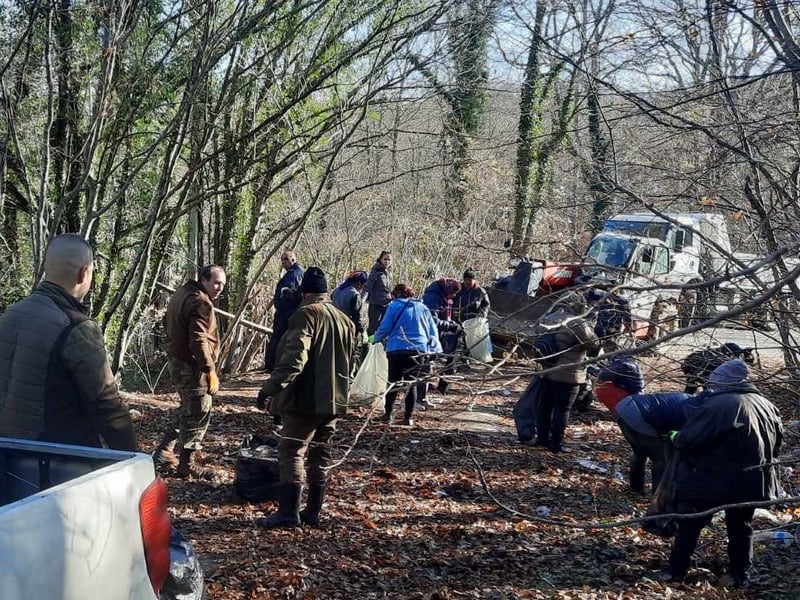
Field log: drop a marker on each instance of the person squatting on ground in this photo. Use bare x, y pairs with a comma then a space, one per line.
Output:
698, 366
727, 450
411, 336
55, 381
438, 297
308, 388
286, 300
573, 338
192, 347
471, 301
644, 419
378, 289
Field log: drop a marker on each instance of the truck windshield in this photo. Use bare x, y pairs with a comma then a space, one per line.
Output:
649, 229
610, 251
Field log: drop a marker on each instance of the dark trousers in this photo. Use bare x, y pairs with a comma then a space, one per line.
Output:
279, 327
404, 366
643, 447
374, 314
739, 523
305, 437
554, 404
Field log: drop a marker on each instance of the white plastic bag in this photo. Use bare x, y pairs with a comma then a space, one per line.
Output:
476, 334
372, 380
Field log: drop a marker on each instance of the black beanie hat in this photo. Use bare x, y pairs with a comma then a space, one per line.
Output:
469, 274
314, 281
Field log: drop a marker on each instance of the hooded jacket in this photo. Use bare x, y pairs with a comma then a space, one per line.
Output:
408, 326
312, 375
727, 431
574, 336
55, 381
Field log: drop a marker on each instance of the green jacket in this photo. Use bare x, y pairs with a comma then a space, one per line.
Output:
312, 375
55, 381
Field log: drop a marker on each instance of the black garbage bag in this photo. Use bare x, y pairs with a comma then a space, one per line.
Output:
257, 475
525, 410
663, 502
185, 578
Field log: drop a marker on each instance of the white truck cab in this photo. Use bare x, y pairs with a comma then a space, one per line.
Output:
646, 251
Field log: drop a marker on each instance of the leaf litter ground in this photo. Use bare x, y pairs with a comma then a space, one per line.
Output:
407, 514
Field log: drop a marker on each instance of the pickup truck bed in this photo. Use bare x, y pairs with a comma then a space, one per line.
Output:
70, 523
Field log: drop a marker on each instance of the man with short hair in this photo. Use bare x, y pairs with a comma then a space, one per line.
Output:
192, 347
286, 300
55, 381
471, 300
309, 388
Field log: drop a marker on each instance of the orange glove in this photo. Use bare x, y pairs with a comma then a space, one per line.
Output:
213, 382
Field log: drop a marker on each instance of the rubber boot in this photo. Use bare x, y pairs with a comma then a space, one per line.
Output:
164, 455
189, 464
288, 514
310, 514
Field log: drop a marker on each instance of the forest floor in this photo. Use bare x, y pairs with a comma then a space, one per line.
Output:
408, 515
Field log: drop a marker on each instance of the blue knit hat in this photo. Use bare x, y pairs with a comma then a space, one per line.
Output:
623, 373
729, 374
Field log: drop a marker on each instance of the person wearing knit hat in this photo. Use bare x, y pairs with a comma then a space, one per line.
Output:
471, 301
285, 302
728, 449
348, 297
309, 389
729, 375
314, 282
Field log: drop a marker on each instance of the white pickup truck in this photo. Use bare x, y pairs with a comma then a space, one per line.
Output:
80, 523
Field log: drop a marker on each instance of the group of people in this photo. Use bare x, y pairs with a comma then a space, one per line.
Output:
725, 440
56, 385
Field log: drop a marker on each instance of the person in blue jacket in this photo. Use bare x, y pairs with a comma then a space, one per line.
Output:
287, 299
410, 335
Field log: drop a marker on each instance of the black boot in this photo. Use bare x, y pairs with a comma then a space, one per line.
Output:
288, 514
164, 455
190, 465
310, 514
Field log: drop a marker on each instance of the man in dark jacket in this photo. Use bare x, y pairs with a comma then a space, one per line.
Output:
698, 365
728, 448
574, 337
471, 300
286, 300
192, 346
308, 388
55, 381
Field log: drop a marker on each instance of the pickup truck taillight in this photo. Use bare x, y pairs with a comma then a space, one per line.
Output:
156, 531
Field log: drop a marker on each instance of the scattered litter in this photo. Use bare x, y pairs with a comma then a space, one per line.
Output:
542, 511
592, 466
